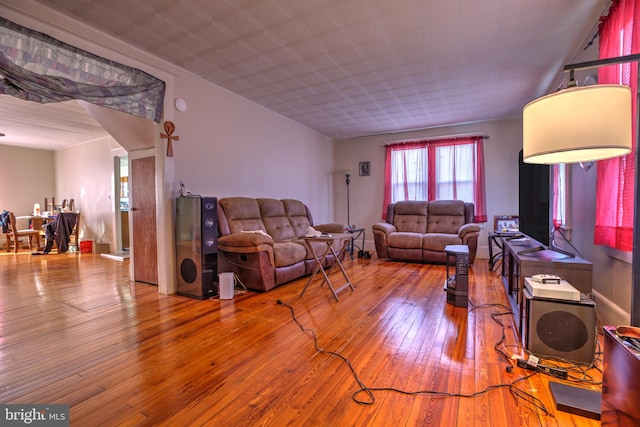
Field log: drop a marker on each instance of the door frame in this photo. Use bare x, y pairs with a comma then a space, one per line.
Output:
116, 201
165, 182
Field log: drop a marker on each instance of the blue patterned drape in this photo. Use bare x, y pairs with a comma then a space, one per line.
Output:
37, 67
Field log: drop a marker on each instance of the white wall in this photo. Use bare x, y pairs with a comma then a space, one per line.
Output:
366, 192
232, 147
27, 177
85, 173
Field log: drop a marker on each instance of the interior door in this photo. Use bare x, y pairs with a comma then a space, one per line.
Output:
143, 213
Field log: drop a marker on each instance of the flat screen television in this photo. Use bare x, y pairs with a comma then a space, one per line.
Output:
533, 201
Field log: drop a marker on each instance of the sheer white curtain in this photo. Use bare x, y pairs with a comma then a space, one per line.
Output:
454, 172
409, 174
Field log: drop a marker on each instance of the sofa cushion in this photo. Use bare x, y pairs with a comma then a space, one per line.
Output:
404, 240
242, 214
438, 241
275, 220
411, 216
299, 216
288, 253
445, 216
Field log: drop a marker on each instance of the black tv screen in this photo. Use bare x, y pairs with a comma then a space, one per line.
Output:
534, 194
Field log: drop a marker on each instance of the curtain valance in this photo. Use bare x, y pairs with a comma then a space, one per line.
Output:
36, 67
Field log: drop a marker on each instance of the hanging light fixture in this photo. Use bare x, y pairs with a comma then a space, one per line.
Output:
578, 124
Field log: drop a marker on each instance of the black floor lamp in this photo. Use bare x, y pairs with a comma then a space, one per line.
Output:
348, 173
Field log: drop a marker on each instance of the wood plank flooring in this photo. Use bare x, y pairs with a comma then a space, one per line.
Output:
75, 330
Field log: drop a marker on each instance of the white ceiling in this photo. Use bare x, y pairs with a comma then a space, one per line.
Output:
350, 68
46, 126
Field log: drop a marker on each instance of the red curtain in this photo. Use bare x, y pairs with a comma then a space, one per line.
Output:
457, 162
615, 182
559, 195
387, 169
479, 184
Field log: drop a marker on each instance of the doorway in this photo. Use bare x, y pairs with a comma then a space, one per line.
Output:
121, 208
123, 168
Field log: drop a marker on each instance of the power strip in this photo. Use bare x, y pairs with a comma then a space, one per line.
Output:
555, 372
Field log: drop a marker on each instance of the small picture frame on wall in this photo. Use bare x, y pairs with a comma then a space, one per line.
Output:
364, 168
504, 223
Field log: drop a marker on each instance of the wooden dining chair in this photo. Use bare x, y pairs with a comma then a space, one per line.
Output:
14, 234
74, 235
74, 239
51, 207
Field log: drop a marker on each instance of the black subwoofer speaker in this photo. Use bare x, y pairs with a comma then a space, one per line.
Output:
196, 246
563, 329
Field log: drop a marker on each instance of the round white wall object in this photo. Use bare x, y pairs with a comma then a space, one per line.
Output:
181, 104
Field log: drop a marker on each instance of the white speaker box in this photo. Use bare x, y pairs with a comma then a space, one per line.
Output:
227, 285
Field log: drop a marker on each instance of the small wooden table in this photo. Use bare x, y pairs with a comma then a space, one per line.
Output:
329, 240
495, 239
356, 233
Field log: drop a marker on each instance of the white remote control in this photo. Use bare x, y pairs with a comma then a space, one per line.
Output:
546, 278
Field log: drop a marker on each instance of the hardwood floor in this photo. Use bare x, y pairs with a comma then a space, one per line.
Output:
74, 330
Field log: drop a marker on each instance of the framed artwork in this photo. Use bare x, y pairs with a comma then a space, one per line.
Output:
506, 223
365, 168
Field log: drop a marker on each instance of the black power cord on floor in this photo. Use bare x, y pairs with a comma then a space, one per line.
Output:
568, 371
533, 401
499, 347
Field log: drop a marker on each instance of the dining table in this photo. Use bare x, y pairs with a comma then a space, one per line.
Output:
36, 222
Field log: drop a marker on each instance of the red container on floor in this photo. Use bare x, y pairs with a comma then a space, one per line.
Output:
86, 246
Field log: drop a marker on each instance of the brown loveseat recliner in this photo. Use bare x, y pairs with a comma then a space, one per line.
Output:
420, 230
260, 240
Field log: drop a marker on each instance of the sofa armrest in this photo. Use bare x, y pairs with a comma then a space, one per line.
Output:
381, 231
331, 228
468, 230
244, 240
246, 243
384, 227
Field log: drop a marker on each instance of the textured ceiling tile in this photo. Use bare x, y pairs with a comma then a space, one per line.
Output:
216, 35
359, 66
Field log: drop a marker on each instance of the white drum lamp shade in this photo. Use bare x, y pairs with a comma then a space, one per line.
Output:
578, 124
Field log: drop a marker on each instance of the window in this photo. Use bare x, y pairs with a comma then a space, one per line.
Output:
446, 169
615, 184
454, 172
560, 173
409, 180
